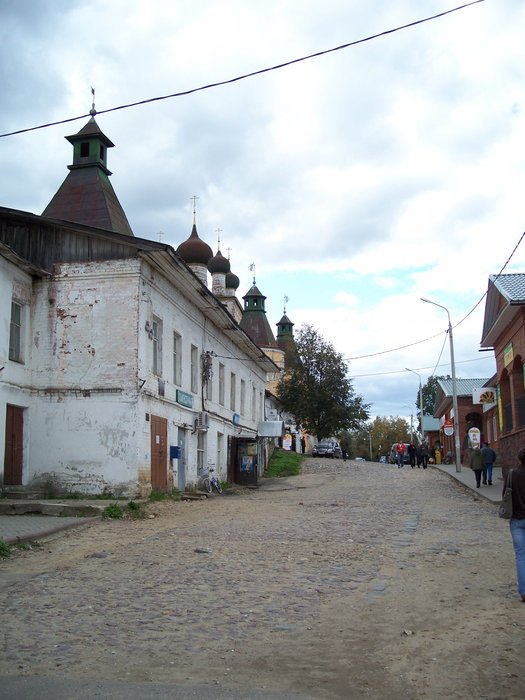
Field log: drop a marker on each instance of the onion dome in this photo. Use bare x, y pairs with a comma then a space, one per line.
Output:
219, 264
195, 251
232, 281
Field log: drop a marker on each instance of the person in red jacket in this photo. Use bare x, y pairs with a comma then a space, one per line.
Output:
400, 453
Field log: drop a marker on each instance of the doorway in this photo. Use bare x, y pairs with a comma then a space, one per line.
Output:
182, 461
13, 455
159, 453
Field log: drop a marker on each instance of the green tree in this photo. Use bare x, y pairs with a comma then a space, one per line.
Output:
315, 388
379, 435
429, 391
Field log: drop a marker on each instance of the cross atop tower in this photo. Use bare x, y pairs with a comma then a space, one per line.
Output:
195, 198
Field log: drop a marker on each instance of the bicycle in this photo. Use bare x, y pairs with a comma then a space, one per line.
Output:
212, 481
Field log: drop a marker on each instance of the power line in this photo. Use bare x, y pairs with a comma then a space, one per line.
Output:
425, 340
248, 75
403, 371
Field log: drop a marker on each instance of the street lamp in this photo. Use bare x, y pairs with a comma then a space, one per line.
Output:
411, 423
454, 388
420, 403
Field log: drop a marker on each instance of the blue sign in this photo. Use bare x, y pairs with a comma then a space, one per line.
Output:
184, 399
174, 452
236, 419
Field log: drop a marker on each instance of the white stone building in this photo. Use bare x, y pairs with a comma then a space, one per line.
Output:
120, 370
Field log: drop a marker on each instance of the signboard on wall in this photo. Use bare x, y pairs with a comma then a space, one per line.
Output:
184, 399
484, 395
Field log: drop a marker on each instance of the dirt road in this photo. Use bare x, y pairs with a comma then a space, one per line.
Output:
351, 580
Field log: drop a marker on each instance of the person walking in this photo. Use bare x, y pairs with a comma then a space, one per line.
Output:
343, 444
412, 454
490, 458
400, 453
424, 455
517, 522
477, 464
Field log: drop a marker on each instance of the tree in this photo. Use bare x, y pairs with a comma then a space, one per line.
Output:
379, 435
429, 391
315, 388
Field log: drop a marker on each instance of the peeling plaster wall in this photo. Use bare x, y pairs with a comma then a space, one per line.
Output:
88, 384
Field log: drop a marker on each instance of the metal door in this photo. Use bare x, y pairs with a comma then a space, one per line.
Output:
181, 469
13, 456
159, 453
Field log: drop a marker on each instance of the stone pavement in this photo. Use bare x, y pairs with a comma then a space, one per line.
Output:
52, 517
28, 521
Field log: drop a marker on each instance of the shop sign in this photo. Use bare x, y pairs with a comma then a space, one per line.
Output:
184, 399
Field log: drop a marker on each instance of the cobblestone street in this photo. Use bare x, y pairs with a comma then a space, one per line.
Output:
351, 580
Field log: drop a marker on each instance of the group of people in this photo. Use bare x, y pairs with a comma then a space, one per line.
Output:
417, 454
481, 463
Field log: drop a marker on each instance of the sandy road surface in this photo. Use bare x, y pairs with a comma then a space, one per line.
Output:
351, 580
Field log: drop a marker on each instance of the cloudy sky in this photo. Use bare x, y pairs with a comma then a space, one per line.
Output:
357, 182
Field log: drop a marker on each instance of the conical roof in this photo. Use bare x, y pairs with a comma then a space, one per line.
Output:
87, 196
254, 321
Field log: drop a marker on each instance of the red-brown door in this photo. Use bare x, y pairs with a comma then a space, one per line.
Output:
159, 453
14, 434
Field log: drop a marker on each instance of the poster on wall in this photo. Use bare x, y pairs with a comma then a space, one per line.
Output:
474, 436
287, 442
485, 395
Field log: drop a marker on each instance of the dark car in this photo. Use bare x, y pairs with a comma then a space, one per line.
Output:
327, 448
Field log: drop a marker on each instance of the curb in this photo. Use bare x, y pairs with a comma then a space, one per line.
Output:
46, 533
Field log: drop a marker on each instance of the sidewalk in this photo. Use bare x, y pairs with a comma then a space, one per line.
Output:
467, 478
28, 521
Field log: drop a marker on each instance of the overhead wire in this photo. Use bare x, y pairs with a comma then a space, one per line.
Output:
431, 337
248, 75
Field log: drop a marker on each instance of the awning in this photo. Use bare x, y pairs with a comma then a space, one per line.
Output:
271, 428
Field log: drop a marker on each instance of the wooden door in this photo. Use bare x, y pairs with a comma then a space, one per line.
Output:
14, 434
159, 453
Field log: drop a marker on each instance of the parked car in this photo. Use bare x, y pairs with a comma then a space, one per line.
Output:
327, 448
360, 459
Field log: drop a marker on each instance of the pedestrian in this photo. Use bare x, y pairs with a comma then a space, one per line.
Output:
517, 522
412, 454
477, 464
400, 453
424, 455
418, 456
343, 444
303, 445
490, 458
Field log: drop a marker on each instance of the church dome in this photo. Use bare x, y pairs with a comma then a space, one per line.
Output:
232, 281
219, 264
195, 251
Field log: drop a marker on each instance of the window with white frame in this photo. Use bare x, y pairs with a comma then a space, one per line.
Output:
15, 332
194, 366
177, 359
233, 390
156, 328
243, 396
221, 384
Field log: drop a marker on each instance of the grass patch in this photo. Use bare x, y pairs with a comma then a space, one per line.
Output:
113, 511
156, 495
5, 550
135, 510
284, 463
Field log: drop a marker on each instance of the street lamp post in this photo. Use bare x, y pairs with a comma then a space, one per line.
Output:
454, 388
420, 403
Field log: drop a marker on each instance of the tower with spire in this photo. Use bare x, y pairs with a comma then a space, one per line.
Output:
87, 196
195, 252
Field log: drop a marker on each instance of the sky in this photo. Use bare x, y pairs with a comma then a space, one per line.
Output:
356, 182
